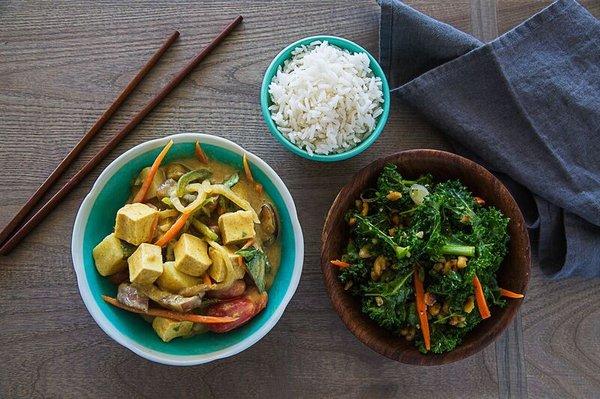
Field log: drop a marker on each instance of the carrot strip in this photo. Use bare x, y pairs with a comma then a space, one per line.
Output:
257, 186
141, 194
482, 306
248, 243
206, 279
172, 232
200, 153
422, 309
340, 263
169, 314
247, 170
510, 294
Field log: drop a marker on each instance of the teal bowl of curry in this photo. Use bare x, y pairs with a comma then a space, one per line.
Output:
128, 245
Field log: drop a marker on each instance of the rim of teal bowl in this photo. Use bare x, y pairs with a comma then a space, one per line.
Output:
265, 99
131, 331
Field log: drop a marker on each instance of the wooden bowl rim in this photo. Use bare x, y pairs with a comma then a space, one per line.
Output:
416, 358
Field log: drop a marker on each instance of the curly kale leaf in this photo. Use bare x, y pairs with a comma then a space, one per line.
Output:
490, 233
428, 220
366, 228
443, 339
390, 179
358, 269
451, 287
393, 311
458, 202
448, 223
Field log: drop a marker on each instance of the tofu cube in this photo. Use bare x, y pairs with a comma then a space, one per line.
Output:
191, 255
145, 264
167, 329
109, 256
136, 223
238, 269
218, 269
236, 226
173, 280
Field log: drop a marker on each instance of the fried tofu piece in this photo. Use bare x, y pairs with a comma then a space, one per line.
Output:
136, 223
109, 256
236, 226
145, 264
218, 269
191, 255
167, 329
173, 280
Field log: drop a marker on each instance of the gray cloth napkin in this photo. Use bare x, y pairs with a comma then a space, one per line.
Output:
526, 105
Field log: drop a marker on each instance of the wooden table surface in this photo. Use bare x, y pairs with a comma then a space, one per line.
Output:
62, 63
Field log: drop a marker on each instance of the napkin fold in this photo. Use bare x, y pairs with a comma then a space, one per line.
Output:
526, 106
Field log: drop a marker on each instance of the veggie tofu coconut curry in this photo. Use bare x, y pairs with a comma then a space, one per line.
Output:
195, 248
422, 258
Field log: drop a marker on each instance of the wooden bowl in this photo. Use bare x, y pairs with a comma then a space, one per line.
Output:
513, 273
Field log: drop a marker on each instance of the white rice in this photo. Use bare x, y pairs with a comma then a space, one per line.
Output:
325, 100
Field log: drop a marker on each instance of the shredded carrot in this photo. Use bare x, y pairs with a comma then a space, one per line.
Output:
482, 306
140, 196
340, 263
200, 153
169, 314
172, 232
247, 169
257, 186
422, 309
510, 294
248, 243
207, 279
240, 262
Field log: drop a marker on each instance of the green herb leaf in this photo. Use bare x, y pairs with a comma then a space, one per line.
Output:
232, 180
257, 264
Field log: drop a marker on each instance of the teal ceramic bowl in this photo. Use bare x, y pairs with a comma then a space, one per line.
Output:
265, 98
95, 220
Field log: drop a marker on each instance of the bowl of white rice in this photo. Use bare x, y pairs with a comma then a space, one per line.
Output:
325, 98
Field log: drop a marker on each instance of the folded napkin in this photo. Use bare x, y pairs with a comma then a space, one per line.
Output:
526, 106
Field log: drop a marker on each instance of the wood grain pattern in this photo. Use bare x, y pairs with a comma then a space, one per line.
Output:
63, 191
62, 63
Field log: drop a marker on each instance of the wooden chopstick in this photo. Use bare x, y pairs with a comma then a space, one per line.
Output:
89, 166
100, 122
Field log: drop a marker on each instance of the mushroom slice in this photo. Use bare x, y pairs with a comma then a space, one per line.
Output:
131, 296
268, 222
175, 170
167, 300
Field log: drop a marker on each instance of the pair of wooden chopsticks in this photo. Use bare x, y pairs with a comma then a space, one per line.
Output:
14, 231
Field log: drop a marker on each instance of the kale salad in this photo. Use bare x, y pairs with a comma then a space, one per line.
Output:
423, 257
